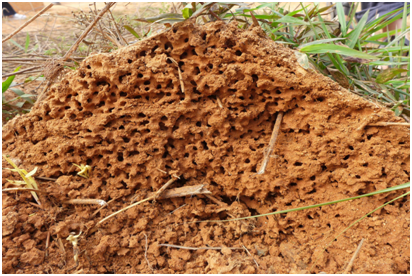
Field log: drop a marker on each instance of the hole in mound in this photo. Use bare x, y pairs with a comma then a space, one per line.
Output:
297, 164
126, 140
204, 144
313, 178
357, 176
312, 192
346, 157
320, 99
350, 147
142, 53
168, 45
123, 94
196, 71
238, 53
129, 61
183, 56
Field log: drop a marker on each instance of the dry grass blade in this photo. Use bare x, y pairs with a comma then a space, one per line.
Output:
22, 189
27, 178
47, 243
272, 143
198, 248
98, 210
348, 269
27, 23
86, 201
164, 187
251, 256
45, 178
390, 124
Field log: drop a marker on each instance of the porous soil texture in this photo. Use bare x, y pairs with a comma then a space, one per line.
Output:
131, 117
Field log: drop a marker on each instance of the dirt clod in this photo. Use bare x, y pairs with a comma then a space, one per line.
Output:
125, 115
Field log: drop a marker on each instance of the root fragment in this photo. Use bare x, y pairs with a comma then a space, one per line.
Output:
145, 254
180, 74
257, 265
272, 143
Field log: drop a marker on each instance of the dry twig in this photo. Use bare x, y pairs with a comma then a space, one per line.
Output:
27, 23
349, 267
21, 72
198, 248
272, 143
22, 189
180, 74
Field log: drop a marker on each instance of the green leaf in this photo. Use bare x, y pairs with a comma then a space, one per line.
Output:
330, 48
341, 17
292, 20
26, 46
354, 35
187, 11
387, 63
389, 74
6, 84
131, 30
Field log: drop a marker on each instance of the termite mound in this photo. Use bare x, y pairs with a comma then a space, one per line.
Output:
127, 115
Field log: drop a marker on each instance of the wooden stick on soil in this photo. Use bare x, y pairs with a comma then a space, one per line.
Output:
272, 143
45, 178
27, 23
349, 267
198, 248
86, 201
389, 124
154, 196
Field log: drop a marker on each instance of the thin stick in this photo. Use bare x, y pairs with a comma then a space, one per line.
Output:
349, 267
164, 187
23, 190
177, 209
145, 254
185, 191
139, 202
85, 201
250, 255
45, 178
98, 210
33, 59
197, 248
20, 72
272, 143
390, 124
180, 74
88, 29
27, 23
47, 243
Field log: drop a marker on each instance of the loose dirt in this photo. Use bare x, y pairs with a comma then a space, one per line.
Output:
127, 115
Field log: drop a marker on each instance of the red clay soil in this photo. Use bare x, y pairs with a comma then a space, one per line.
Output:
127, 115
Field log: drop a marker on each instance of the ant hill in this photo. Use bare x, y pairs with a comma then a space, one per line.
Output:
201, 102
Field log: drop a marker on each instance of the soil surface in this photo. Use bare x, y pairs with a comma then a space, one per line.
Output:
136, 123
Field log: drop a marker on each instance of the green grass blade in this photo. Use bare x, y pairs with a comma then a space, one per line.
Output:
131, 30
17, 44
320, 42
6, 84
353, 36
341, 17
336, 49
26, 46
391, 189
389, 74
